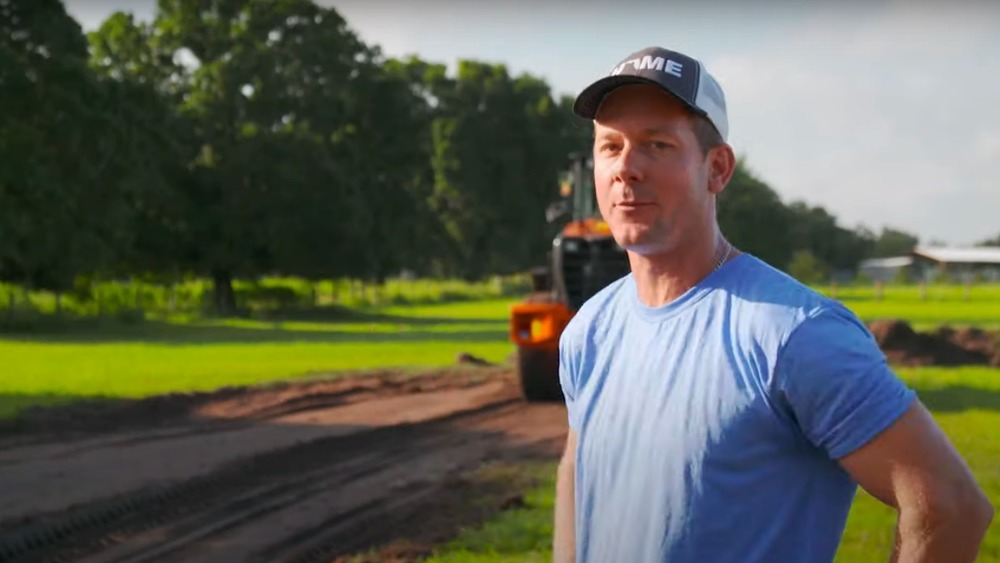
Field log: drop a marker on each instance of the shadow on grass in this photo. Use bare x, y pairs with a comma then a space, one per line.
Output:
337, 314
75, 412
158, 332
344, 325
13, 404
957, 398
67, 414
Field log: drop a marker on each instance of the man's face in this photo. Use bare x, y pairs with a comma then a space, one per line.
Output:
652, 181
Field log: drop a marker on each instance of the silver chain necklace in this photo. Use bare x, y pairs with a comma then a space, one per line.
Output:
729, 249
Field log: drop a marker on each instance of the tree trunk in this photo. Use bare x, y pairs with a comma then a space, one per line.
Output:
172, 292
137, 288
224, 297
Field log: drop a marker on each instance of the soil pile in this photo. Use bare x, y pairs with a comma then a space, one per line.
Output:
945, 346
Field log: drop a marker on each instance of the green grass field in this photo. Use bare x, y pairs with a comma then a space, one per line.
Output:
87, 358
56, 363
134, 360
943, 304
966, 402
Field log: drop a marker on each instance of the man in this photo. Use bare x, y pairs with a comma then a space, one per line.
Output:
720, 411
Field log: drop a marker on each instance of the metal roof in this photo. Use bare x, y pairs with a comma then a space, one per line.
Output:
893, 262
968, 255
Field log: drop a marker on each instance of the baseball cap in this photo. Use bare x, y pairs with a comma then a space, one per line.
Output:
683, 76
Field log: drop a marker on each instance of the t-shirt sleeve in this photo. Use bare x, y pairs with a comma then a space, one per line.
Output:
836, 382
569, 349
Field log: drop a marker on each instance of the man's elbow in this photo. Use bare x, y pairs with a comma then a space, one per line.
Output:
967, 512
975, 508
984, 511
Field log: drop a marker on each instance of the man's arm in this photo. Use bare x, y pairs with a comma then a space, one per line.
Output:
912, 467
564, 538
838, 388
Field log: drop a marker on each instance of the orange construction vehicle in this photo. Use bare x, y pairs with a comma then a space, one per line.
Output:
583, 259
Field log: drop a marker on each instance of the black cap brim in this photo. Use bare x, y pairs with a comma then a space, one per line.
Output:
590, 99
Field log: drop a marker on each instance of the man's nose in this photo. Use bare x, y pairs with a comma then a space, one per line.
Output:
627, 169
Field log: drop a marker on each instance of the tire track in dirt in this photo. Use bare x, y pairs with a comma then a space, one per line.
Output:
52, 476
371, 467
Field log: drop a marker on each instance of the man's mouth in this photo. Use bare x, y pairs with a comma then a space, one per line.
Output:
632, 204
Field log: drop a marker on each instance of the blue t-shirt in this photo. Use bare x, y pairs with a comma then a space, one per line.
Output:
709, 429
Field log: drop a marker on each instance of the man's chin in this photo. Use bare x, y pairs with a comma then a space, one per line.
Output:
634, 239
642, 245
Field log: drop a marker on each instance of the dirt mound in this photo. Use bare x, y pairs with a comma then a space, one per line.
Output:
469, 359
945, 346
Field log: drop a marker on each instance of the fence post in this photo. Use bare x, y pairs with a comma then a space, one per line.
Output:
878, 290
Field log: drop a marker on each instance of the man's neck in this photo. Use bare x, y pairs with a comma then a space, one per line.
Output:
663, 278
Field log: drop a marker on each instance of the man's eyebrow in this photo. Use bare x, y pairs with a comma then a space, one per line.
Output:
646, 132
661, 130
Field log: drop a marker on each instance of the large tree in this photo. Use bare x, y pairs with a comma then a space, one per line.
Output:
995, 241
499, 142
295, 141
71, 156
893, 242
755, 219
139, 74
237, 138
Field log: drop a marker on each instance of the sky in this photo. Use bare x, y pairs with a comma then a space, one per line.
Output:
886, 113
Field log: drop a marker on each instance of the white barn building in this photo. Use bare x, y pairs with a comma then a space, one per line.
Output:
975, 263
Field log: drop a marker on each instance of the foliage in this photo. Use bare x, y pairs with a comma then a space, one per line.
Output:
995, 241
259, 298
806, 268
242, 139
755, 218
892, 242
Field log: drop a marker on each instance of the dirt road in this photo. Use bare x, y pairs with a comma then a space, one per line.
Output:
302, 472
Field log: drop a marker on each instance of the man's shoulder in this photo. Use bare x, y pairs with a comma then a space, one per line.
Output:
775, 302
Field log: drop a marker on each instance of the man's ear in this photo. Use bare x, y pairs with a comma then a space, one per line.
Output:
721, 166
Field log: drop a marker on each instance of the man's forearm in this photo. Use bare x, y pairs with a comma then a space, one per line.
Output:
923, 537
564, 537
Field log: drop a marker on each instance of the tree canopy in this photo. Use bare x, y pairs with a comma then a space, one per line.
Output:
237, 138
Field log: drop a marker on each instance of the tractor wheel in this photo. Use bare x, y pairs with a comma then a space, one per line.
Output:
538, 369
